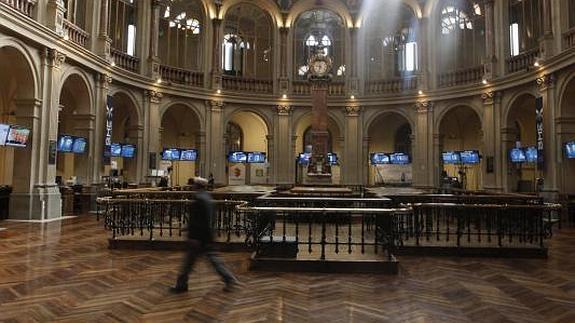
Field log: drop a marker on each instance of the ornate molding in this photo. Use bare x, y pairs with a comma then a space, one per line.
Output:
54, 57
424, 106
284, 110
104, 80
546, 81
153, 96
352, 111
491, 97
216, 105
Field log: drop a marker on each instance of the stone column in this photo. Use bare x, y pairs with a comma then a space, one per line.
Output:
153, 59
508, 170
85, 163
501, 22
216, 161
201, 146
284, 79
55, 16
423, 152
491, 163
434, 175
272, 167
351, 166
490, 68
551, 147
365, 165
282, 158
216, 76
153, 122
351, 72
144, 26
547, 45
103, 42
135, 166
103, 82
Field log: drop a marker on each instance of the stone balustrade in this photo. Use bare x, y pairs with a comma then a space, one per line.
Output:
181, 76
522, 61
24, 6
461, 76
124, 60
393, 85
569, 38
75, 33
335, 88
233, 83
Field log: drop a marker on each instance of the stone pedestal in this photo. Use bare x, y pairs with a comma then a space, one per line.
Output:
43, 203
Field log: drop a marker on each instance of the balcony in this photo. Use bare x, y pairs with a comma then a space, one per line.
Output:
569, 38
181, 76
125, 61
24, 6
394, 85
522, 61
461, 77
241, 84
76, 34
335, 88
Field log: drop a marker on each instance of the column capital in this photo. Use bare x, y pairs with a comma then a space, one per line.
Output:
216, 105
284, 110
284, 30
546, 81
424, 106
153, 96
352, 111
104, 80
491, 97
53, 57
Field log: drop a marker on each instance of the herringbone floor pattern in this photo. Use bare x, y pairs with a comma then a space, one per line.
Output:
64, 272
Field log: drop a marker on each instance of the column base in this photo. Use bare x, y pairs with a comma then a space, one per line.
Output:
42, 204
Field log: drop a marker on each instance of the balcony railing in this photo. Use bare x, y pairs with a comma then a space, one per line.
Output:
569, 38
461, 76
75, 33
394, 85
181, 76
24, 6
336, 88
522, 61
124, 60
247, 84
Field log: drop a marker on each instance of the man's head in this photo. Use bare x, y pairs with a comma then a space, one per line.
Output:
200, 183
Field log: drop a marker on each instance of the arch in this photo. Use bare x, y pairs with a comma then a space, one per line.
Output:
165, 107
271, 9
413, 5
331, 116
563, 93
430, 8
20, 47
132, 99
209, 9
513, 99
382, 114
76, 72
266, 120
305, 5
441, 116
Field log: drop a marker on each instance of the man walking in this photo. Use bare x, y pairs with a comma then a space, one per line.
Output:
200, 239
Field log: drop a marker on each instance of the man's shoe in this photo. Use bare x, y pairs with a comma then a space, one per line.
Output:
178, 289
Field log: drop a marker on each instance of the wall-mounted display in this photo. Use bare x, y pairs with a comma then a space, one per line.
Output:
531, 154
116, 150
4, 129
237, 157
188, 155
451, 157
17, 136
399, 158
171, 154
256, 157
379, 158
332, 158
303, 158
128, 151
469, 156
79, 146
517, 155
570, 149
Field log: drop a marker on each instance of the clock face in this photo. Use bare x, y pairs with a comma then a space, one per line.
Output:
319, 67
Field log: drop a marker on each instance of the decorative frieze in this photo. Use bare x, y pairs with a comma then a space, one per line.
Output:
284, 110
352, 111
154, 96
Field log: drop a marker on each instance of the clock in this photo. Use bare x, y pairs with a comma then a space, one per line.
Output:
319, 65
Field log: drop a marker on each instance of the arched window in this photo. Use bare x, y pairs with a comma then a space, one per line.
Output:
392, 45
180, 36
525, 25
234, 137
248, 41
462, 36
318, 28
123, 17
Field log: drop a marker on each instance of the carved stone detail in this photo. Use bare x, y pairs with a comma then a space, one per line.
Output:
284, 110
54, 57
216, 105
104, 80
424, 106
546, 81
154, 96
491, 97
352, 111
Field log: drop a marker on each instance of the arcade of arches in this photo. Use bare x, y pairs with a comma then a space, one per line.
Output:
226, 76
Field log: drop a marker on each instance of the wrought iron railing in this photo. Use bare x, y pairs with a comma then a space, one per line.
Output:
461, 76
181, 76
75, 33
125, 61
24, 6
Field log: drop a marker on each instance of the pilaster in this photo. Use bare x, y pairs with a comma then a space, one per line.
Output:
153, 59
103, 41
424, 163
215, 162
351, 166
103, 82
55, 16
282, 164
492, 153
153, 122
284, 80
547, 90
216, 74
489, 64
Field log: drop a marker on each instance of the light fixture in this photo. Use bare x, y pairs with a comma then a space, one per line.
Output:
159, 80
484, 81
113, 63
352, 97
536, 64
420, 92
218, 91
284, 96
66, 37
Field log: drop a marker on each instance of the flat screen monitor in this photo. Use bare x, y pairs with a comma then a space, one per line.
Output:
116, 150
79, 146
128, 151
379, 159
17, 136
189, 155
65, 144
451, 157
570, 149
303, 158
517, 155
469, 156
237, 157
171, 154
399, 158
332, 158
531, 154
4, 129
256, 157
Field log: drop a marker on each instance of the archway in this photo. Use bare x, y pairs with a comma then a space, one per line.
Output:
74, 127
567, 134
460, 130
180, 129
520, 133
389, 133
302, 145
126, 130
247, 132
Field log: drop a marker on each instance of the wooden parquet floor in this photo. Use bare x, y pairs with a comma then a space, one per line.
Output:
63, 271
